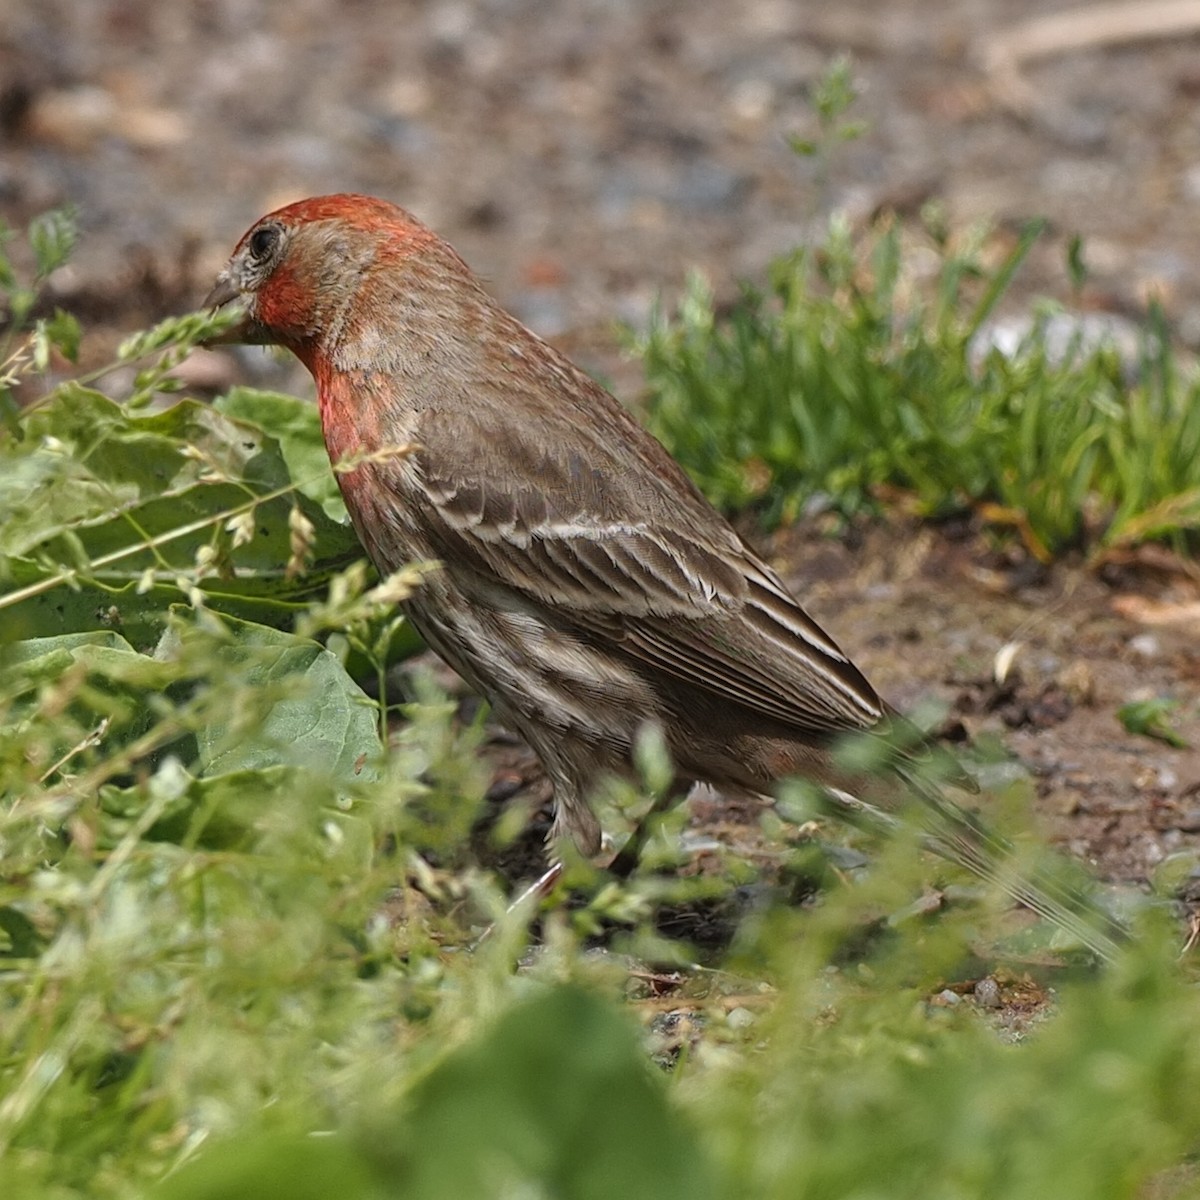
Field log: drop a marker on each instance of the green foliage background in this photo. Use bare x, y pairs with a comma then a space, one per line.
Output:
837, 385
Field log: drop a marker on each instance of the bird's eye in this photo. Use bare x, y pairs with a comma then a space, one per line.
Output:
263, 242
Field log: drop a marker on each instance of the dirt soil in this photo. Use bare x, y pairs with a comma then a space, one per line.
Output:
585, 155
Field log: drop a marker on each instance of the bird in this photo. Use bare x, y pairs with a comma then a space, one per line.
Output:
585, 586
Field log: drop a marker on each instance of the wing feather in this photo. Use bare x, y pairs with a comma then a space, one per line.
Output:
639, 562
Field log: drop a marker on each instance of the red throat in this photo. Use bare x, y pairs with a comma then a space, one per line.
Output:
335, 401
350, 430
283, 299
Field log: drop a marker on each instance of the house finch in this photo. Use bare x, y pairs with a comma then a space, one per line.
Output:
587, 589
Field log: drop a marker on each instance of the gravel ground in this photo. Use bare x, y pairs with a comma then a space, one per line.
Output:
585, 155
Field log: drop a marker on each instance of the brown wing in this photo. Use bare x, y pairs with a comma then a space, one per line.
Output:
623, 549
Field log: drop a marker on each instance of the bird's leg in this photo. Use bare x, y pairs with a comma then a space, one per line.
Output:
542, 886
626, 860
538, 890
622, 866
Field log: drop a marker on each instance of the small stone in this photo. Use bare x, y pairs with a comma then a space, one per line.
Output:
1065, 337
1077, 680
151, 128
751, 101
987, 993
73, 118
1145, 645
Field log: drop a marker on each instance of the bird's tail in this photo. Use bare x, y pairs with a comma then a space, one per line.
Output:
962, 837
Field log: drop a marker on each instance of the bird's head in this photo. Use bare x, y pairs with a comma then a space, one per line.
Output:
307, 274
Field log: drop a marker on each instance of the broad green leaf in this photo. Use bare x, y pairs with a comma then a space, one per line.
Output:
304, 710
101, 677
37, 649
260, 699
296, 426
217, 813
557, 1099
275, 1166
109, 508
105, 601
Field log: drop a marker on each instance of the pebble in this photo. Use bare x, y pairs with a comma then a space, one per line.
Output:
946, 999
72, 117
1067, 336
751, 101
740, 1017
1145, 645
987, 993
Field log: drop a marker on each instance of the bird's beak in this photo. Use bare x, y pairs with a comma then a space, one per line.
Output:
245, 330
223, 291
